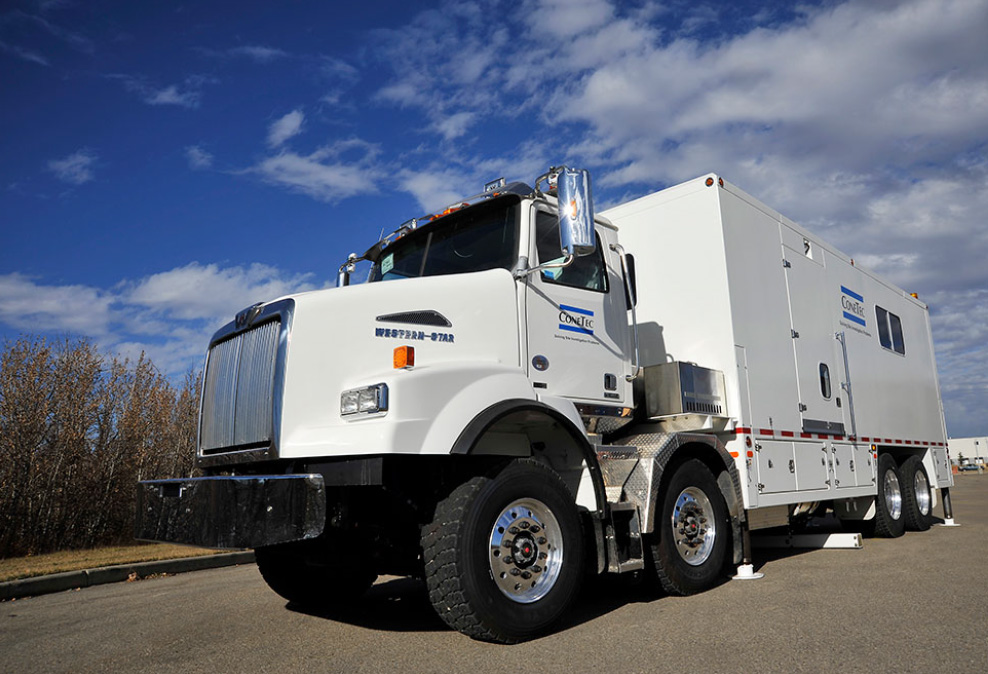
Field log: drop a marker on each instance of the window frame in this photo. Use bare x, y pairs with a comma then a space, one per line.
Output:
890, 334
597, 255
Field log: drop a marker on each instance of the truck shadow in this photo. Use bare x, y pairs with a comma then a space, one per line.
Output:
395, 605
401, 604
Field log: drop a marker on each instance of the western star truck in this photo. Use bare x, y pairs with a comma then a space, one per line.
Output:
523, 393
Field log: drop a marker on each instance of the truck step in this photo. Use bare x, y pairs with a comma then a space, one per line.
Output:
842, 541
625, 551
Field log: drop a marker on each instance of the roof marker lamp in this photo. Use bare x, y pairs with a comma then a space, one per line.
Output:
367, 400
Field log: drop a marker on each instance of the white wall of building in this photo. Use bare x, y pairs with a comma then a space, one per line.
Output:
974, 450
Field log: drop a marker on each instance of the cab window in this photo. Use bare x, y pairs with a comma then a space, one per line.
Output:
588, 272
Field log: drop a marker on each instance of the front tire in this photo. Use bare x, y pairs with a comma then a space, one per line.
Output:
504, 555
917, 495
692, 531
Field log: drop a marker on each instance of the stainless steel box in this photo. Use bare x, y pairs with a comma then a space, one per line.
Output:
684, 388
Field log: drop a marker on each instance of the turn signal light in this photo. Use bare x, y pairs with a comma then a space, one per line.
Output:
404, 358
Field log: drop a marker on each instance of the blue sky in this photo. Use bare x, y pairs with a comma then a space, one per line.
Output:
164, 165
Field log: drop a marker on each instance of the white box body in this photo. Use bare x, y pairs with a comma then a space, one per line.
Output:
730, 284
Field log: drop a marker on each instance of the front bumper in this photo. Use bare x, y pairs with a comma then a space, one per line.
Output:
231, 512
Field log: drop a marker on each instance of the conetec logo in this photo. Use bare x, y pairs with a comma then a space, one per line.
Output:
853, 305
575, 319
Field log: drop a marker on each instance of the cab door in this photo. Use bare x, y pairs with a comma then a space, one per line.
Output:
578, 325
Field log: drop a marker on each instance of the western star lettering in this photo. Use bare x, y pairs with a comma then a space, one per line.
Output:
413, 335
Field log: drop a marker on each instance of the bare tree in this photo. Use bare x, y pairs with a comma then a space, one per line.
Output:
77, 431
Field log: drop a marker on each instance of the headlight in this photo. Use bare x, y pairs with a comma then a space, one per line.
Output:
367, 400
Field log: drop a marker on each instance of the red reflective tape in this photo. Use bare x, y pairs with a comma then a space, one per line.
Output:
838, 437
898, 442
865, 438
742, 430
787, 434
766, 431
909, 442
888, 441
806, 435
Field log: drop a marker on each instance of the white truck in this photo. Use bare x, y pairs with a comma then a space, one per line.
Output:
511, 402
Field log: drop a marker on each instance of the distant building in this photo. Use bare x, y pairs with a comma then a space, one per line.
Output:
973, 450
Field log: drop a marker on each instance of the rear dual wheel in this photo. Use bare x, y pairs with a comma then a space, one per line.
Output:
917, 495
889, 520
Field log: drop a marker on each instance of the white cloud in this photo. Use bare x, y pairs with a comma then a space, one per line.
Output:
198, 158
566, 19
861, 120
258, 53
333, 172
432, 189
455, 125
25, 54
169, 315
187, 94
76, 169
172, 95
29, 306
285, 128
182, 294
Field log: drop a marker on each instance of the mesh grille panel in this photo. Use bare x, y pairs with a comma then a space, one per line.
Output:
237, 405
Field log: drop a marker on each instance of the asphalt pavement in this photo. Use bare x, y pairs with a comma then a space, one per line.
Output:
913, 604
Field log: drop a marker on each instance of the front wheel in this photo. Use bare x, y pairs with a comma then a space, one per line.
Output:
690, 542
504, 555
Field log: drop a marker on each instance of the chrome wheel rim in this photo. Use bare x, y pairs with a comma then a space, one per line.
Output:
893, 494
693, 526
921, 488
526, 551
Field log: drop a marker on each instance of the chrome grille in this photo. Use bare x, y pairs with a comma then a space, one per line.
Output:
238, 394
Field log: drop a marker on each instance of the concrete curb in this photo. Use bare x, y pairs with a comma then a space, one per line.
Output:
59, 582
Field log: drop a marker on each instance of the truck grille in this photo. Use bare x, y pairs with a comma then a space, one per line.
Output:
238, 394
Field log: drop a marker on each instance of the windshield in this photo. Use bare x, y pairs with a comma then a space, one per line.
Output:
475, 239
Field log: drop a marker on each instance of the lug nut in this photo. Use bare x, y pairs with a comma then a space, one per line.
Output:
535, 529
526, 575
514, 530
524, 525
542, 540
537, 569
515, 572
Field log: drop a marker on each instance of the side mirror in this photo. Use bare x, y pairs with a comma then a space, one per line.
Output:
576, 231
631, 287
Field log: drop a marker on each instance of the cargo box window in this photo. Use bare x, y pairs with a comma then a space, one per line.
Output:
889, 330
825, 381
587, 272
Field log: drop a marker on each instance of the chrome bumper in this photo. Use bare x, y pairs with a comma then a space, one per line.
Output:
231, 512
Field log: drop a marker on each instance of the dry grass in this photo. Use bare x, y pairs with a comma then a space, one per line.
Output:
76, 560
